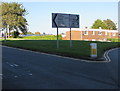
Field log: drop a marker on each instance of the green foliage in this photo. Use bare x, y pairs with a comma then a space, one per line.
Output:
106, 24
13, 16
114, 39
37, 33
110, 24
45, 37
15, 34
29, 32
98, 23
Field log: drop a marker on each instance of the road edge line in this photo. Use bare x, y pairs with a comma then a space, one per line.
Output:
106, 54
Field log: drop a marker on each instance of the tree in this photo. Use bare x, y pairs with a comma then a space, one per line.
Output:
44, 33
15, 34
13, 17
110, 24
99, 23
37, 33
29, 32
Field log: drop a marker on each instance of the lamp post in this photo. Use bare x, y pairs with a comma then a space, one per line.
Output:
5, 24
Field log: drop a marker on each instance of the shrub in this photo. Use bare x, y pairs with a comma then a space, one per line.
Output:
15, 34
114, 39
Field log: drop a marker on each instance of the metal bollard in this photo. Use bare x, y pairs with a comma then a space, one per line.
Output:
93, 50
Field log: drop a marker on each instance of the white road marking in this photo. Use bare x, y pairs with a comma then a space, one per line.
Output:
13, 65
10, 64
30, 74
16, 65
105, 55
15, 76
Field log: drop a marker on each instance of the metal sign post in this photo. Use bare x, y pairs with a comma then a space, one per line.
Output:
70, 39
60, 20
5, 32
70, 31
57, 39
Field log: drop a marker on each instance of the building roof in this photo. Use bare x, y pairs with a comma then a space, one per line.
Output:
100, 30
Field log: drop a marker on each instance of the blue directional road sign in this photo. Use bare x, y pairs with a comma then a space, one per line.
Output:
65, 20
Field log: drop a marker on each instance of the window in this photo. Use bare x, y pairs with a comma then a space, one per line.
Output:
114, 34
106, 33
104, 39
99, 32
85, 32
93, 32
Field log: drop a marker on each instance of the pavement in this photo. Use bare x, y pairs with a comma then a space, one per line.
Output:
22, 69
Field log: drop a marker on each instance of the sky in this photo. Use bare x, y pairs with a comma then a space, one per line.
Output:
39, 15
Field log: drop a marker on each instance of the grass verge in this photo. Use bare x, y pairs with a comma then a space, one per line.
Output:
80, 49
45, 37
114, 39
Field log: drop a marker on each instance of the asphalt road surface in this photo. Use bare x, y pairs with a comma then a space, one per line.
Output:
0, 67
31, 70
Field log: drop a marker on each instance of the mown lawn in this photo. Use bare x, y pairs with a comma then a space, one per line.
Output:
80, 49
45, 37
114, 39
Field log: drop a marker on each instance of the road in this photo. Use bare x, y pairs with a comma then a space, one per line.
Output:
31, 70
0, 67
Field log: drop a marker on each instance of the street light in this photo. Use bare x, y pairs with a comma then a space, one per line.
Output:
5, 24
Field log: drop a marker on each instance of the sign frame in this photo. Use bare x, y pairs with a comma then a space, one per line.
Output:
62, 20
